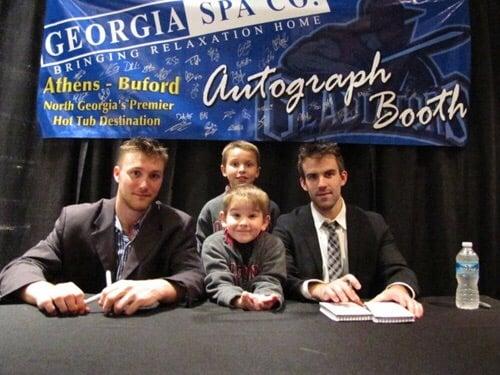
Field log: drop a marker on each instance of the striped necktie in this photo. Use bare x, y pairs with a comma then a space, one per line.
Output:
334, 261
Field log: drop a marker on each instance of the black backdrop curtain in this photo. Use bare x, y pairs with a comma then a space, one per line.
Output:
433, 198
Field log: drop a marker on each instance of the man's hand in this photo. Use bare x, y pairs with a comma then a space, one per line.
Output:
398, 293
256, 302
342, 289
64, 298
128, 296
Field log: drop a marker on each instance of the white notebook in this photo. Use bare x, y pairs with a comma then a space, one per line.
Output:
378, 312
344, 311
389, 312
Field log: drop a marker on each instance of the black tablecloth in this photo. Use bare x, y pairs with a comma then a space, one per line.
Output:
213, 339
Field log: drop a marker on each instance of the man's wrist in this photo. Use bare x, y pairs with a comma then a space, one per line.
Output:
169, 291
29, 292
404, 287
305, 288
316, 290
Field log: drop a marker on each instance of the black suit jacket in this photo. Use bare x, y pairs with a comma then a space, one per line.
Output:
372, 253
82, 246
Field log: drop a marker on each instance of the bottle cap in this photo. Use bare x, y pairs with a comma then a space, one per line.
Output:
466, 244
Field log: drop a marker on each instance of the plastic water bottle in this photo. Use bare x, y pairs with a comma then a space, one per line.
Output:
467, 271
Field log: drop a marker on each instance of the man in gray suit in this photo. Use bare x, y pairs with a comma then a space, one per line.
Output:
339, 252
149, 247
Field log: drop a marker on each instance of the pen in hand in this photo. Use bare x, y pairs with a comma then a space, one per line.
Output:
96, 297
109, 281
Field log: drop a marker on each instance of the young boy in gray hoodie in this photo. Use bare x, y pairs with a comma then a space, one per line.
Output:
245, 265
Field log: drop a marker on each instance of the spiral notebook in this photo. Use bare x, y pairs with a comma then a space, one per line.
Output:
345, 311
378, 312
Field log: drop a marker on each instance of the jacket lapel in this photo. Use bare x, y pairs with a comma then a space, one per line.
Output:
355, 241
148, 237
311, 239
103, 236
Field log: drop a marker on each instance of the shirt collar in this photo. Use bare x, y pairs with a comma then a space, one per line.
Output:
136, 226
320, 219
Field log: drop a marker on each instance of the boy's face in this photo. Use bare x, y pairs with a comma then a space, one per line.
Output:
244, 220
241, 167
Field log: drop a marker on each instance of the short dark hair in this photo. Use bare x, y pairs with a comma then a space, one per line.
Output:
318, 150
147, 146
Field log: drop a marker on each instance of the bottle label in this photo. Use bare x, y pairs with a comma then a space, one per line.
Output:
466, 267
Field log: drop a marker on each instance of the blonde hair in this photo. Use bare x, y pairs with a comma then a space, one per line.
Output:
244, 145
147, 146
249, 193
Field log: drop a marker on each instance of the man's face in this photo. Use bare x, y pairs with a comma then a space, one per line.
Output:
241, 167
139, 179
244, 221
323, 182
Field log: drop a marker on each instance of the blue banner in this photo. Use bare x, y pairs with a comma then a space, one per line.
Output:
360, 71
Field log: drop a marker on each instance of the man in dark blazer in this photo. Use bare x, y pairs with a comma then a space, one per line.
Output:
370, 264
149, 247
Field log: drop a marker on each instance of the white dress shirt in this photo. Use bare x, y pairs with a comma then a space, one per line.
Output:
323, 235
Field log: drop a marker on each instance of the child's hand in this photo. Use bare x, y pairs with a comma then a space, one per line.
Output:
256, 302
268, 302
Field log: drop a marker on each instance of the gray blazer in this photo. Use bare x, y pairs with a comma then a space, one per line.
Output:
373, 255
81, 247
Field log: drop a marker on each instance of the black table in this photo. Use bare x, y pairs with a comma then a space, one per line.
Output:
212, 339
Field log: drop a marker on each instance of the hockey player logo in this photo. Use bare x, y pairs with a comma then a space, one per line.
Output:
386, 26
